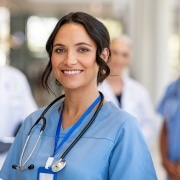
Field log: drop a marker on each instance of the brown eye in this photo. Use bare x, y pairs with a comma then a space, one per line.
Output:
59, 50
82, 50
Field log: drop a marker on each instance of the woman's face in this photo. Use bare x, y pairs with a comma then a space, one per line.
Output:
74, 57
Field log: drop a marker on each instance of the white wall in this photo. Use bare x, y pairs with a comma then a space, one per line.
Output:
150, 26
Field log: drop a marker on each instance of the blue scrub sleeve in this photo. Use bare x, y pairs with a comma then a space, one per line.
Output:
131, 155
13, 156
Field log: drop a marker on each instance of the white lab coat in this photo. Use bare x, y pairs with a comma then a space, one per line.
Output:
135, 100
16, 101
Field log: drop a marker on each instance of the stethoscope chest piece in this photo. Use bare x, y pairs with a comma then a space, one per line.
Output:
58, 165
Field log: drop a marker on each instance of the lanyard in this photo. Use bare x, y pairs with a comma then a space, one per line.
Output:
74, 127
60, 164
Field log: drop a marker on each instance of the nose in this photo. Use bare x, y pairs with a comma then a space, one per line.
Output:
70, 59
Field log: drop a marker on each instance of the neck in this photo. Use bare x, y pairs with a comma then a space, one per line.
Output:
75, 105
116, 83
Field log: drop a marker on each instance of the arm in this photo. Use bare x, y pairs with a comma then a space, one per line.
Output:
163, 144
170, 167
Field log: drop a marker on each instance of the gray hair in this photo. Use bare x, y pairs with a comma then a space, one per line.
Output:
125, 39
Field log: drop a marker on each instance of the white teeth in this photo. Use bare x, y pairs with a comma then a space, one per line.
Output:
72, 72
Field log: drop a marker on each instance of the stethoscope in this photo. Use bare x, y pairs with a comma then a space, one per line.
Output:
61, 163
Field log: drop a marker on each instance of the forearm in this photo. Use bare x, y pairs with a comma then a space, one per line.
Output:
163, 145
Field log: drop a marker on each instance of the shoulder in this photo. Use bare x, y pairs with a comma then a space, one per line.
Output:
119, 126
172, 86
110, 110
130, 83
19, 81
133, 83
117, 119
13, 71
170, 90
45, 112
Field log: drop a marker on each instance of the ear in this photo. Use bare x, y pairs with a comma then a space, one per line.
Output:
105, 54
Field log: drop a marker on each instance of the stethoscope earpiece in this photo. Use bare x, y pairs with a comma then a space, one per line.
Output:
20, 168
15, 166
31, 166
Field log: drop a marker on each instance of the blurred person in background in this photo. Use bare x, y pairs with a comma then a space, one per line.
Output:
16, 102
127, 93
169, 109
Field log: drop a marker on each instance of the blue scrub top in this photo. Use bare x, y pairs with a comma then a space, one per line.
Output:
169, 108
112, 148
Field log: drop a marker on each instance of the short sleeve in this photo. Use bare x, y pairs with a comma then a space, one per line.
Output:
131, 155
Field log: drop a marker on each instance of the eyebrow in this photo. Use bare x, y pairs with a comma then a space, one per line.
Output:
78, 44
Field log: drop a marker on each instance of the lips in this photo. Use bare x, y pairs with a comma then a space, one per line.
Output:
71, 71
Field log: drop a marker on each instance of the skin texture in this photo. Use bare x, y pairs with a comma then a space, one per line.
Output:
172, 168
74, 66
74, 52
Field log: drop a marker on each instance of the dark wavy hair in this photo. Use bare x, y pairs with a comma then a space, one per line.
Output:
95, 29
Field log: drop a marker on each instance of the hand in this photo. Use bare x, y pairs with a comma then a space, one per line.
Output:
173, 169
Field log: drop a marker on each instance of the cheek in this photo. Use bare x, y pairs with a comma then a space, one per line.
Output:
125, 62
55, 67
114, 62
120, 62
90, 61
54, 61
92, 67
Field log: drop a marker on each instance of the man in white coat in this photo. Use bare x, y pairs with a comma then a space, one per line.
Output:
16, 102
127, 93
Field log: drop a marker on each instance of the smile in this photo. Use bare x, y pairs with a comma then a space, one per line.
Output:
71, 72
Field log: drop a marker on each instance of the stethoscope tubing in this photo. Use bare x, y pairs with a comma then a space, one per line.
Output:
85, 128
42, 117
22, 154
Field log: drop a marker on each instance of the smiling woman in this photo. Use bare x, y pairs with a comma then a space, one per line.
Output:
83, 122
